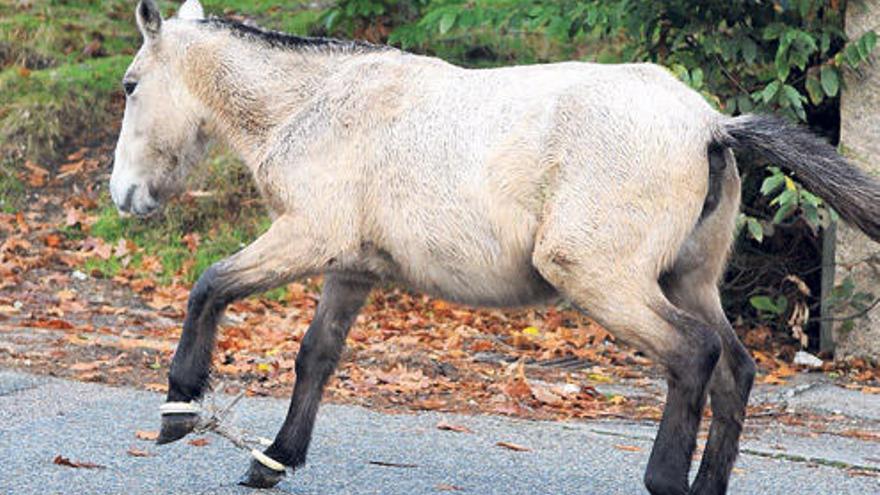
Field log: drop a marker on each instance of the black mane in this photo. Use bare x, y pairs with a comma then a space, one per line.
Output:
278, 39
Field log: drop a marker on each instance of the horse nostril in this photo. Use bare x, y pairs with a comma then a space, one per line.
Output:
153, 190
129, 196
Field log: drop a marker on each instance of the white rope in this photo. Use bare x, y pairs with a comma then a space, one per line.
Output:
267, 461
215, 422
179, 408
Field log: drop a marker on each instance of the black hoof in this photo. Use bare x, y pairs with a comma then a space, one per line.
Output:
260, 476
176, 426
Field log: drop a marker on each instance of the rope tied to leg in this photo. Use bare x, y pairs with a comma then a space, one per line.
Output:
179, 408
216, 422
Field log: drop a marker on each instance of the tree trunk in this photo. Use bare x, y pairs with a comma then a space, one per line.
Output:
857, 256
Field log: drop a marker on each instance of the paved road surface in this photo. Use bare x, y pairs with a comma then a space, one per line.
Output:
42, 417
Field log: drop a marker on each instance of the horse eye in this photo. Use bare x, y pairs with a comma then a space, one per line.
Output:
129, 87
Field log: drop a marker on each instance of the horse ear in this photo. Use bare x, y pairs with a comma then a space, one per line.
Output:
191, 10
149, 19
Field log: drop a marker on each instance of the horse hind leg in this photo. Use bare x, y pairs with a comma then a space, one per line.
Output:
692, 285
623, 298
729, 387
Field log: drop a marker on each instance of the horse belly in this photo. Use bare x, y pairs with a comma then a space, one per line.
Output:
465, 256
476, 284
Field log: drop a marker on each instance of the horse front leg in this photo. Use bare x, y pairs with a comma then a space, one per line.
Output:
341, 300
284, 253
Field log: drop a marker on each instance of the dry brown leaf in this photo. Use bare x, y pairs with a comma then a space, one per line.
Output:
90, 366
64, 461
517, 386
443, 425
546, 395
199, 442
628, 448
136, 452
862, 435
513, 446
156, 387
146, 435
445, 487
773, 379
431, 404
52, 240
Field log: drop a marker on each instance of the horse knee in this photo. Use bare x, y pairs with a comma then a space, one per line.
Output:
318, 354
744, 371
698, 352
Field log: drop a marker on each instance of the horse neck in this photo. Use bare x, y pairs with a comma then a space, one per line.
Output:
250, 89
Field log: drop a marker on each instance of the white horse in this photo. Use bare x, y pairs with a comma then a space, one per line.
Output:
611, 185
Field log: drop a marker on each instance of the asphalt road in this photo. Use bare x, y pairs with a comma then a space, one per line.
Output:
43, 417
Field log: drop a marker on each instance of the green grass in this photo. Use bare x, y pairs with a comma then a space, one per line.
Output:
164, 238
54, 107
53, 90
56, 96
224, 221
12, 190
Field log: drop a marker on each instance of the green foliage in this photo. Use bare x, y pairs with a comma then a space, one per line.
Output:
768, 307
792, 202
845, 297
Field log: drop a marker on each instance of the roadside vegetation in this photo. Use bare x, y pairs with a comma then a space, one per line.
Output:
62, 62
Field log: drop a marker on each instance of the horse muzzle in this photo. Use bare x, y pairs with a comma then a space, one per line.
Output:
135, 199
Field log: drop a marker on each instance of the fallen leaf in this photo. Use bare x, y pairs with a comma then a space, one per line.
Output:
77, 155
444, 487
773, 379
156, 387
147, 435
862, 472
628, 448
518, 387
545, 394
862, 435
52, 240
93, 49
443, 425
192, 241
38, 175
199, 442
90, 366
54, 324
532, 331
135, 452
64, 461
431, 404
513, 446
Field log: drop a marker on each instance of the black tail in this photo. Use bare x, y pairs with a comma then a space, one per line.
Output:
851, 192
